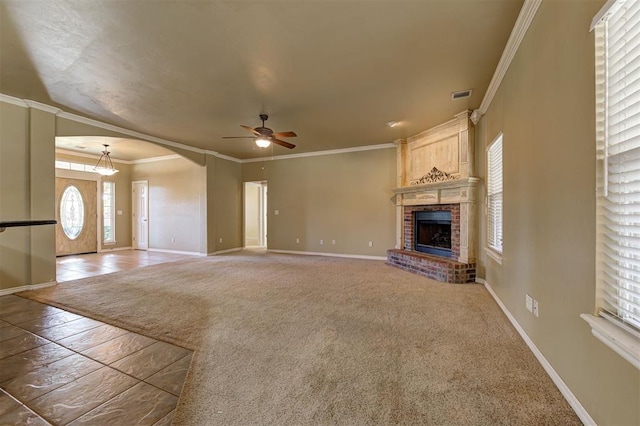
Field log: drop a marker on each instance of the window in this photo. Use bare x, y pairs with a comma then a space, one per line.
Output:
494, 195
66, 165
618, 169
108, 212
71, 212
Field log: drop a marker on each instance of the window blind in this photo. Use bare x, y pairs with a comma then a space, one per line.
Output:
494, 195
620, 198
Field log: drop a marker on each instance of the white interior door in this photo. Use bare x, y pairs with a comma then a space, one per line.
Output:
140, 211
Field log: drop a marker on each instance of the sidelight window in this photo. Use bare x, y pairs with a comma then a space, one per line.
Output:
108, 212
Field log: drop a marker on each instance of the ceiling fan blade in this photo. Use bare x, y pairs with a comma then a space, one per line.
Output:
285, 135
238, 137
283, 143
251, 129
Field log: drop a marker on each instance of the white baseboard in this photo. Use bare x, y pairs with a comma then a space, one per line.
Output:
562, 386
314, 253
28, 287
191, 253
103, 249
224, 251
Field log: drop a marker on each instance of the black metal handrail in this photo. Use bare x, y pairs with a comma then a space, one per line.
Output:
15, 223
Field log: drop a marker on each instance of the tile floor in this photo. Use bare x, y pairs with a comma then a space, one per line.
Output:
87, 265
60, 368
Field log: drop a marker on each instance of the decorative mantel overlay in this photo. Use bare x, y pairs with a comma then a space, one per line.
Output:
434, 176
436, 173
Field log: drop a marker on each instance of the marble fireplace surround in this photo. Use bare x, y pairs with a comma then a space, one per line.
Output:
436, 171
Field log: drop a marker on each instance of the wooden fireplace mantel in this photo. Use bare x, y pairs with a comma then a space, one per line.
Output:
437, 167
452, 191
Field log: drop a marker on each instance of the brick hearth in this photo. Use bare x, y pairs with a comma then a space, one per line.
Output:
434, 267
431, 266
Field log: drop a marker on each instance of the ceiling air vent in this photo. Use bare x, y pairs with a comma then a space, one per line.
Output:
461, 94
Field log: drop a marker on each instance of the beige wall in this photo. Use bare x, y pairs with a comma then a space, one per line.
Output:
224, 204
545, 108
27, 254
122, 180
175, 195
343, 197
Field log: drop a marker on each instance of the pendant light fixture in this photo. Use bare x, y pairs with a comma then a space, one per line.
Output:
104, 166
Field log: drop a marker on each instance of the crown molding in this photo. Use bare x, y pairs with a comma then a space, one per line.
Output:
224, 157
25, 103
320, 153
13, 101
160, 158
116, 160
42, 107
527, 13
91, 122
138, 135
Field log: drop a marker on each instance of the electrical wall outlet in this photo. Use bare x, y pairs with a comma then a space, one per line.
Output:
370, 243
220, 240
528, 302
333, 242
297, 240
276, 212
321, 242
536, 312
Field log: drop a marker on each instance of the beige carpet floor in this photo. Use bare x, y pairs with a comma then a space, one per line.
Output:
283, 339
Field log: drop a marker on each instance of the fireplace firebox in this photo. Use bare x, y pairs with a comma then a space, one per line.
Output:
433, 232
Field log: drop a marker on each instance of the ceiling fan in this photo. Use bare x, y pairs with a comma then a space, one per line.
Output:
264, 136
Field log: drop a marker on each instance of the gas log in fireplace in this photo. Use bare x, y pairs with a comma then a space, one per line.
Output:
432, 233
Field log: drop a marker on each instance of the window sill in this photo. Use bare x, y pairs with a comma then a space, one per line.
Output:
621, 342
494, 255
110, 243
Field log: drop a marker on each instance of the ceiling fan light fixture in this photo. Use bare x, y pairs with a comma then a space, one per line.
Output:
104, 166
263, 142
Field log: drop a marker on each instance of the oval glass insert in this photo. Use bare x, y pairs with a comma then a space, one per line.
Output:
72, 212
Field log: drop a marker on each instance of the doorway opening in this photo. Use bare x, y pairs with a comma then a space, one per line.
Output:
140, 214
255, 214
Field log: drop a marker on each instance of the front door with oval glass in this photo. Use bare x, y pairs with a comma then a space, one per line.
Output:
76, 212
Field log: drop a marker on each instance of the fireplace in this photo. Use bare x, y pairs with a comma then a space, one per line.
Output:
432, 244
427, 229
432, 233
436, 197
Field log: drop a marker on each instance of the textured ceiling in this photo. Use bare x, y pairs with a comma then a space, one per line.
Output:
193, 71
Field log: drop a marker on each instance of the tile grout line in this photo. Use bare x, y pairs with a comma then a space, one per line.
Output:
76, 352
